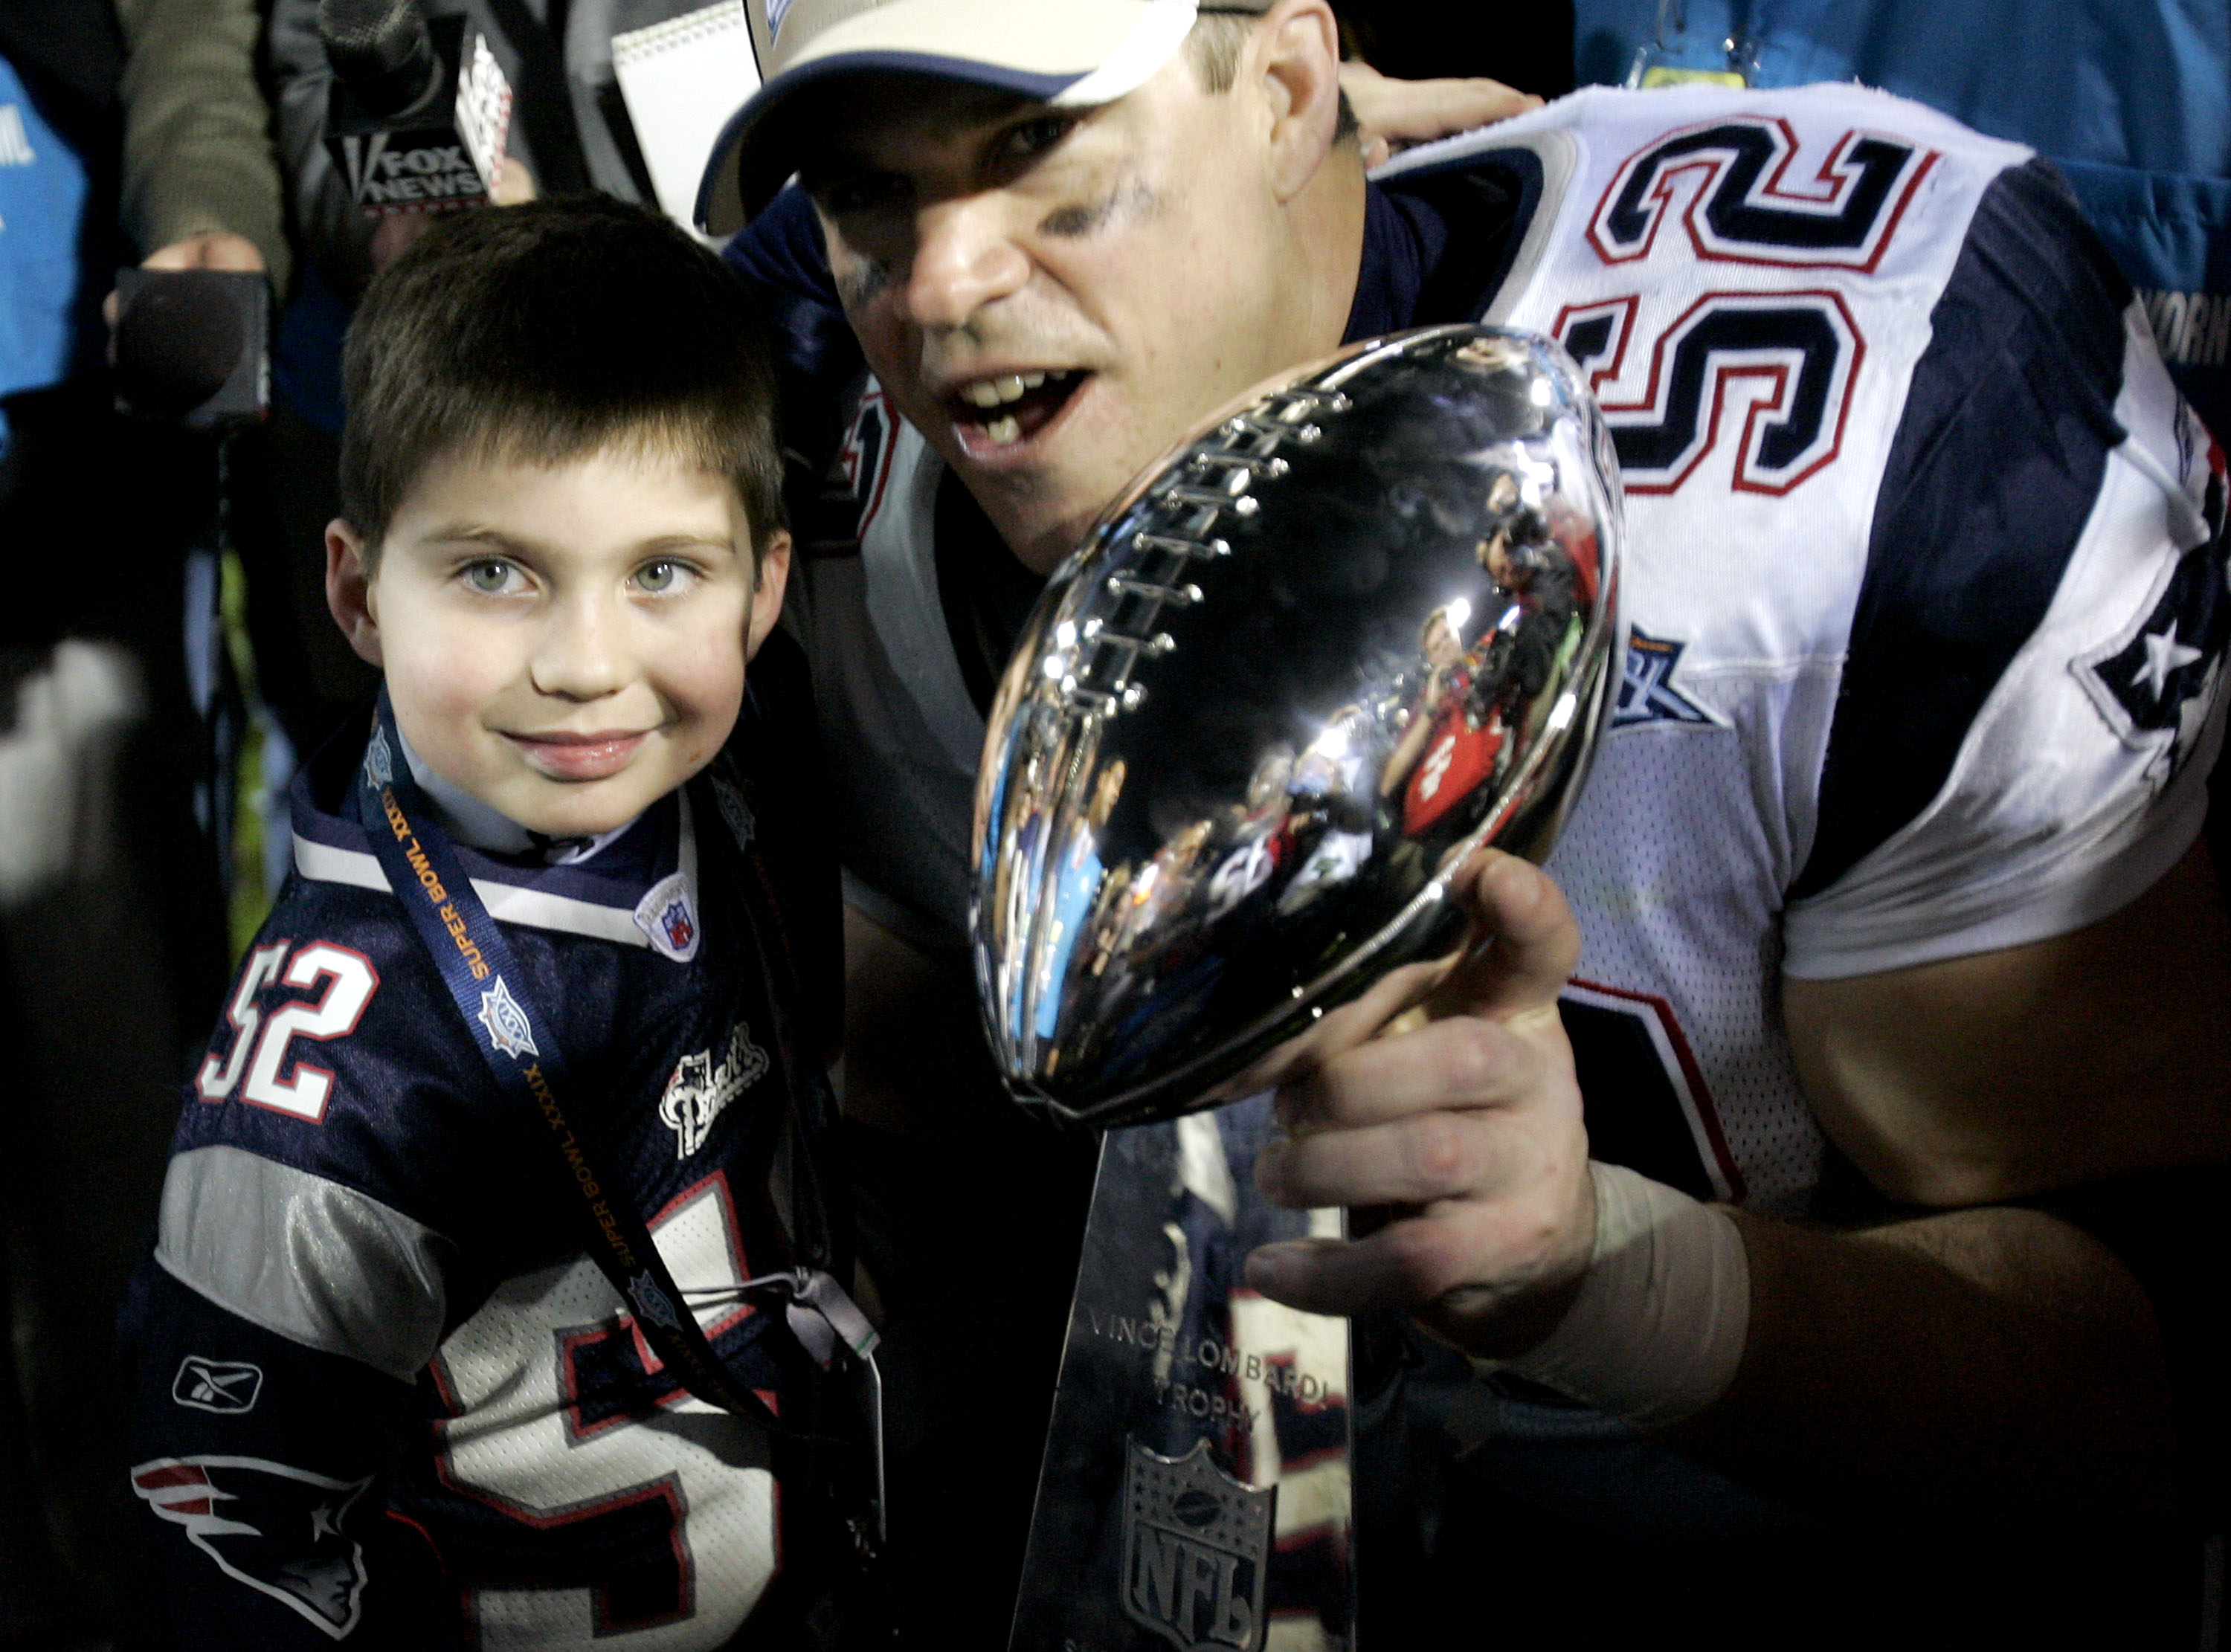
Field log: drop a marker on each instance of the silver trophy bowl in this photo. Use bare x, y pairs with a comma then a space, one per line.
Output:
1359, 624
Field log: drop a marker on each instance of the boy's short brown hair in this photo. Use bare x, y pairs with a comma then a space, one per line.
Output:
539, 333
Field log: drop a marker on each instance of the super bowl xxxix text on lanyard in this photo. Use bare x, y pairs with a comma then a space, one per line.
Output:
519, 1045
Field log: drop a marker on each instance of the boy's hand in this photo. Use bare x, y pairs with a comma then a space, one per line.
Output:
1395, 115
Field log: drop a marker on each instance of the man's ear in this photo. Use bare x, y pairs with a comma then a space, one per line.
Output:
766, 600
1294, 55
348, 591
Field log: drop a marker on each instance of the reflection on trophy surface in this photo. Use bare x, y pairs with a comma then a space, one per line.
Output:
1344, 636
1357, 627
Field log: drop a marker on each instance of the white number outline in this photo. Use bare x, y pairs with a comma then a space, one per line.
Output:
352, 981
213, 1082
614, 1459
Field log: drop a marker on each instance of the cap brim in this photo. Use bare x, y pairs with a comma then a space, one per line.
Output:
1076, 52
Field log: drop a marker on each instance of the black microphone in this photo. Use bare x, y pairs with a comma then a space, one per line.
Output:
416, 119
191, 346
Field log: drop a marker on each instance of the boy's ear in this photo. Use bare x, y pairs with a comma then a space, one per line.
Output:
348, 591
767, 601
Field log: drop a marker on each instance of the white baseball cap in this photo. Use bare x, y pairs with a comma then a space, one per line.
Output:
1071, 54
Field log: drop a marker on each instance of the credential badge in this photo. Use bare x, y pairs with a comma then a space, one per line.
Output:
506, 1022
1195, 1546
702, 1087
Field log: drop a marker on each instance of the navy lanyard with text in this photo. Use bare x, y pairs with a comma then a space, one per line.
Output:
519, 1048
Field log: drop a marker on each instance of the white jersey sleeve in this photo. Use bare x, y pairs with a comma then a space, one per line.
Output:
2083, 776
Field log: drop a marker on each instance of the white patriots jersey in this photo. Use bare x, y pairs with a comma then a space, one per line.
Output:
900, 736
1749, 281
1924, 603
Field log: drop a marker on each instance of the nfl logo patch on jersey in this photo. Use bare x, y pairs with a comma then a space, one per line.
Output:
668, 916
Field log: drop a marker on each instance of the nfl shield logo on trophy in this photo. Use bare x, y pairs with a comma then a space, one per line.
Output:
1195, 1542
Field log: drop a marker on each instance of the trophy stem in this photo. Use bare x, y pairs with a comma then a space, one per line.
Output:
1196, 1489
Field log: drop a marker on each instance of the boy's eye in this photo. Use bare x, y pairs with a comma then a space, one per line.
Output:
658, 578
491, 576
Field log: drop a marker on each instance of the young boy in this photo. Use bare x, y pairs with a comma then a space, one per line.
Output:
528, 990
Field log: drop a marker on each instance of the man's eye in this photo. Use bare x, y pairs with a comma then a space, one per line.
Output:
857, 192
659, 577
491, 576
1034, 137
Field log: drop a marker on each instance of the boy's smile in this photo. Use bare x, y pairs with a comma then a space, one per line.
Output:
564, 641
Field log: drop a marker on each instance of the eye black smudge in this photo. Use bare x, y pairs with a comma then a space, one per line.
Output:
856, 287
1132, 198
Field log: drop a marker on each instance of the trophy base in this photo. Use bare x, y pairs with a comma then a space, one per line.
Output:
1195, 1492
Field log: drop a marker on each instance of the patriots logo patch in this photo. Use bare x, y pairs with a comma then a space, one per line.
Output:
2156, 684
1647, 694
275, 1528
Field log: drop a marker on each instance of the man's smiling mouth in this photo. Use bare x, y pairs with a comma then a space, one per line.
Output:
1005, 410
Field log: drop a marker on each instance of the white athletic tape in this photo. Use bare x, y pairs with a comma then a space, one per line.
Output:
1656, 1332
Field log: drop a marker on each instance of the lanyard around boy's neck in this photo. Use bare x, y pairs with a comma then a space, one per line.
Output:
519, 1045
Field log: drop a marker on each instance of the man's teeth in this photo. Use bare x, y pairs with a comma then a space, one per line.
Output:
1003, 429
995, 392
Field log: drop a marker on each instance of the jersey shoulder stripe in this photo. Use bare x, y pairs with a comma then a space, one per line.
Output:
1992, 474
235, 1227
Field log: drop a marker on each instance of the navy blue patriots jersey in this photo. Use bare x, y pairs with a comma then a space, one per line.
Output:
381, 1395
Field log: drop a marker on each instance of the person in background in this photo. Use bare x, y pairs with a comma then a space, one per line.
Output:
571, 131
131, 133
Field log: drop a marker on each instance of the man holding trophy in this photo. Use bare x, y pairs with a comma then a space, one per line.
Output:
1818, 1166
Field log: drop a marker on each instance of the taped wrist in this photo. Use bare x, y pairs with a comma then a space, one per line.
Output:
1658, 1329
